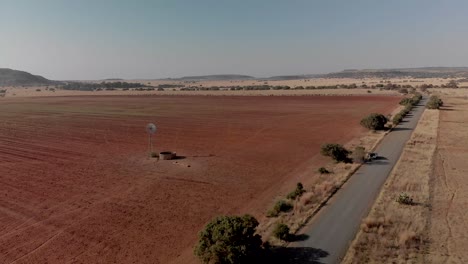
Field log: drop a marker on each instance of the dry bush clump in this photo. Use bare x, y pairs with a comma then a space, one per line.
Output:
407, 238
308, 198
371, 224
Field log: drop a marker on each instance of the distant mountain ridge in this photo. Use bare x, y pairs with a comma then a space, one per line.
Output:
9, 77
292, 77
214, 77
422, 72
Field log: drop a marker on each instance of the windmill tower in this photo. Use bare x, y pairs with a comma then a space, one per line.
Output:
151, 130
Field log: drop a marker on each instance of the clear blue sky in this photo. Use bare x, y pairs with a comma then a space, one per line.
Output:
95, 39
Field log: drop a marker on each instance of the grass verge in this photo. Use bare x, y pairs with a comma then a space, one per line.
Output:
319, 190
395, 232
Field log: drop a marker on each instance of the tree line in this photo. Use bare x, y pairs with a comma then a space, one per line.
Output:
84, 86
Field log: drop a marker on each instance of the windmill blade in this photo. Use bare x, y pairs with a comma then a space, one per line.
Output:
151, 128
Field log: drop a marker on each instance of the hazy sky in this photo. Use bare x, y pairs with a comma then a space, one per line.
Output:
95, 39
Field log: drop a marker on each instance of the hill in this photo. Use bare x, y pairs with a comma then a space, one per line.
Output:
9, 77
218, 77
292, 77
424, 72
113, 79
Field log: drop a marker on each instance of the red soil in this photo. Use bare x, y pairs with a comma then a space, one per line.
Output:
77, 186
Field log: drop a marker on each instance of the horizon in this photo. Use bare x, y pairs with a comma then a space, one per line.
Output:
246, 75
94, 40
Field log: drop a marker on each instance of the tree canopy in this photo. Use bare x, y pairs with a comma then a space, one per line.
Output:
336, 152
229, 239
374, 121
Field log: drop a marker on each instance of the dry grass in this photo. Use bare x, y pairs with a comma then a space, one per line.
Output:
450, 92
393, 232
448, 221
305, 82
31, 92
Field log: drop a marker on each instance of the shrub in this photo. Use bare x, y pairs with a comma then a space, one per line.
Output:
407, 237
397, 118
281, 231
280, 206
373, 224
374, 121
229, 239
434, 102
403, 90
323, 170
416, 98
359, 154
297, 192
406, 101
404, 198
336, 151
407, 109
38, 90
410, 102
452, 84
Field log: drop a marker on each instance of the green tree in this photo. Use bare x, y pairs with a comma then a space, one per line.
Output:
434, 103
336, 151
281, 231
406, 101
374, 121
397, 119
359, 154
229, 239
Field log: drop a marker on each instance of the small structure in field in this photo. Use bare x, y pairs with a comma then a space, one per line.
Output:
167, 155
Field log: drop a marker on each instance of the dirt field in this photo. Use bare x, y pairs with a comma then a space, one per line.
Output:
449, 192
77, 185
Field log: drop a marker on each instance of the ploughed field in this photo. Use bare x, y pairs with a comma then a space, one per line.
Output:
77, 185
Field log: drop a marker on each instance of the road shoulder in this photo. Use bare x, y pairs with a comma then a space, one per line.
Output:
393, 232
